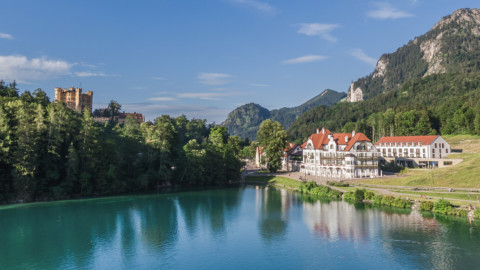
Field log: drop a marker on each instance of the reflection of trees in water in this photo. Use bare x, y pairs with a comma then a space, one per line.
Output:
55, 231
274, 205
158, 223
213, 207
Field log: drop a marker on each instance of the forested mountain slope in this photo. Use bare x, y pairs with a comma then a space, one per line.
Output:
430, 85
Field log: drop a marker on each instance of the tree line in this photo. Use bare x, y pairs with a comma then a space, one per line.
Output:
48, 151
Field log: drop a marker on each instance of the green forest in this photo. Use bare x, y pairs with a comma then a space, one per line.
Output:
436, 104
50, 152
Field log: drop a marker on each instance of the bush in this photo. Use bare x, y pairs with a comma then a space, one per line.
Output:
402, 203
349, 196
426, 206
442, 206
369, 195
359, 195
306, 187
476, 213
377, 199
388, 200
319, 190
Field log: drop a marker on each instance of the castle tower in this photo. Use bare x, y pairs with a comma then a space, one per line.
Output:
74, 98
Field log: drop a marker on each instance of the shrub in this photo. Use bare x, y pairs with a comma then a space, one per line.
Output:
461, 212
359, 195
388, 200
369, 195
426, 206
377, 199
349, 196
442, 206
476, 213
319, 190
306, 187
402, 203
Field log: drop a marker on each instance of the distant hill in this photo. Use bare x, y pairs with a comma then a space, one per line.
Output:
429, 85
245, 120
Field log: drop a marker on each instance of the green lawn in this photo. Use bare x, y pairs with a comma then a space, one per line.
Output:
463, 175
449, 195
276, 180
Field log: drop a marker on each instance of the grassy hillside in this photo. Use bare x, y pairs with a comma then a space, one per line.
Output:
463, 175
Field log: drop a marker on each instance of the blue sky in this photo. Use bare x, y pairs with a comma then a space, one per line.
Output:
204, 58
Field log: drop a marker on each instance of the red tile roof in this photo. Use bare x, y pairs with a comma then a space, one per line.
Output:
359, 137
404, 139
320, 139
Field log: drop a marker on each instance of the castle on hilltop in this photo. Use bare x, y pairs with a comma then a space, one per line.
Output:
74, 98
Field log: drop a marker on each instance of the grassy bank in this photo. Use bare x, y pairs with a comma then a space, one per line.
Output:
274, 180
463, 175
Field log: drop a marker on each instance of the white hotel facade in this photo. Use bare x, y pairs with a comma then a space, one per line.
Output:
339, 155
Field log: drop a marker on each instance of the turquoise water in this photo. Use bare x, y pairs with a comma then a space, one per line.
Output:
236, 228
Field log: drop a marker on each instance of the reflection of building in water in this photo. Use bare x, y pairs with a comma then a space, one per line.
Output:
339, 220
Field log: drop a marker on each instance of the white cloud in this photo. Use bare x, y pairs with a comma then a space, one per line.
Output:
259, 85
385, 11
207, 95
318, 29
161, 99
90, 74
258, 5
6, 36
362, 56
305, 59
213, 78
22, 69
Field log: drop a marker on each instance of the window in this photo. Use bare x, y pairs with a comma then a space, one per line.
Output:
435, 145
447, 163
433, 151
433, 156
446, 150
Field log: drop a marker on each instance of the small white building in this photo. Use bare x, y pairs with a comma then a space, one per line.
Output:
420, 150
339, 155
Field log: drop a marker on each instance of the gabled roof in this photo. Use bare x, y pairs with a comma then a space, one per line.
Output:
321, 138
359, 137
318, 139
404, 139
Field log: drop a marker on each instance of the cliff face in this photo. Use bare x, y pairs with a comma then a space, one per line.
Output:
452, 45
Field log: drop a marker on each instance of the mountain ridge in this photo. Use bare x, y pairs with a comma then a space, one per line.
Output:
245, 120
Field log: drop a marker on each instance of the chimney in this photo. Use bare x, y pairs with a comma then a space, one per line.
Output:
346, 139
318, 131
353, 133
323, 130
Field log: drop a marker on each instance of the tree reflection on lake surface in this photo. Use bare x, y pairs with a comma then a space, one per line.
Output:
246, 227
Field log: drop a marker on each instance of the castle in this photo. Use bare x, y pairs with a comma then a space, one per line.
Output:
74, 98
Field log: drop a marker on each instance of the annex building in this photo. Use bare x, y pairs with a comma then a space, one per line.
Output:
339, 155
415, 151
74, 98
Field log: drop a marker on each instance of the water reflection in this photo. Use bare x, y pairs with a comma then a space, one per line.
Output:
230, 228
272, 206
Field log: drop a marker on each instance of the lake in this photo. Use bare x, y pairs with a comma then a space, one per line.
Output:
236, 228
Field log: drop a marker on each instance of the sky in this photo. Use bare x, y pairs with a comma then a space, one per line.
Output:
204, 58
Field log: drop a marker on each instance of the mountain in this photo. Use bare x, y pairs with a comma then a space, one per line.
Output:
451, 46
245, 120
429, 85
